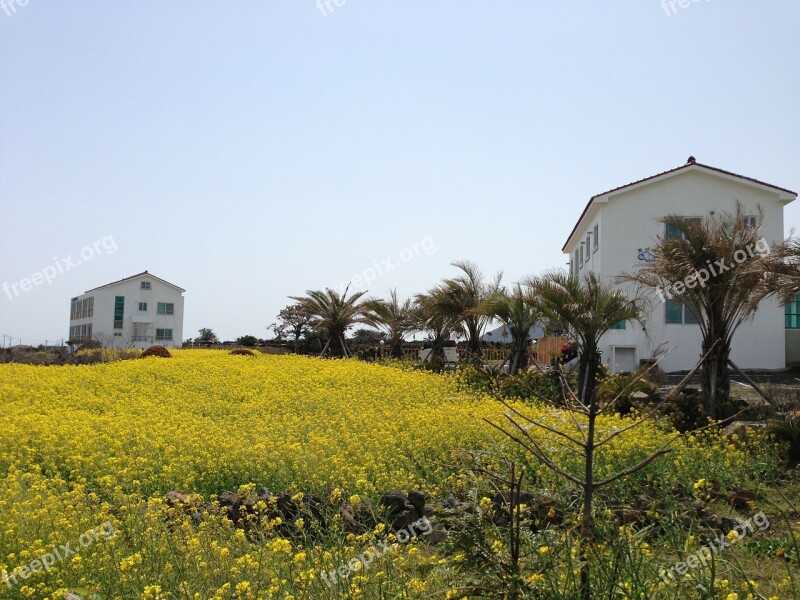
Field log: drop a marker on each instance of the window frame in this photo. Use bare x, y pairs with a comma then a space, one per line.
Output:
685, 309
677, 234
792, 313
161, 335
119, 311
166, 311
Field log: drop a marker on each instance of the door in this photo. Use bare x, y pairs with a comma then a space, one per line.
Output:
624, 360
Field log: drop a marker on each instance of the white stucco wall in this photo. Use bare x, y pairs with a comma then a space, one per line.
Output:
103, 318
628, 223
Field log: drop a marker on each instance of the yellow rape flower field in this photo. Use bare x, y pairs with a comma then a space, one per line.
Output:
88, 453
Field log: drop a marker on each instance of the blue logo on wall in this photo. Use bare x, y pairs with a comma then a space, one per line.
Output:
645, 255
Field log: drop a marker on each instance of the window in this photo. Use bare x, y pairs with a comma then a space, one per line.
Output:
163, 334
750, 222
620, 325
679, 313
793, 313
588, 245
81, 309
166, 308
596, 236
119, 311
689, 315
577, 264
673, 233
140, 333
80, 332
142, 306
145, 285
581, 253
674, 312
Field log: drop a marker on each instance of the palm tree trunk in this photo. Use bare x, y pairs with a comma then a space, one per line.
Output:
474, 342
715, 380
336, 345
519, 357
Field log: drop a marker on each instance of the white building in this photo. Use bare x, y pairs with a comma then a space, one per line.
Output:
502, 334
135, 312
616, 231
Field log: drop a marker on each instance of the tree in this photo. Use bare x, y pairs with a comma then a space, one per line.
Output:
427, 318
207, 336
460, 298
393, 317
366, 339
294, 322
335, 313
519, 311
248, 341
784, 271
715, 269
589, 308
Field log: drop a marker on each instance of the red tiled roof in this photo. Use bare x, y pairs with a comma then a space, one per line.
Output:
691, 163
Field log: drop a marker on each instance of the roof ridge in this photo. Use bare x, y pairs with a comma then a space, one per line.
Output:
692, 162
145, 272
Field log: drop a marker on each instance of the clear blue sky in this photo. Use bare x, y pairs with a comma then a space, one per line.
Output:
250, 150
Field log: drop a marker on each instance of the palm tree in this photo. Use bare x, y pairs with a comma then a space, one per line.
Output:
784, 271
459, 299
519, 311
336, 314
394, 317
589, 308
716, 269
427, 318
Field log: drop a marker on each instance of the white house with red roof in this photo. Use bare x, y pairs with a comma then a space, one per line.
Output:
135, 312
617, 231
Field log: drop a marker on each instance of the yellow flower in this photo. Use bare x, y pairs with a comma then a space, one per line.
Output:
122, 433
